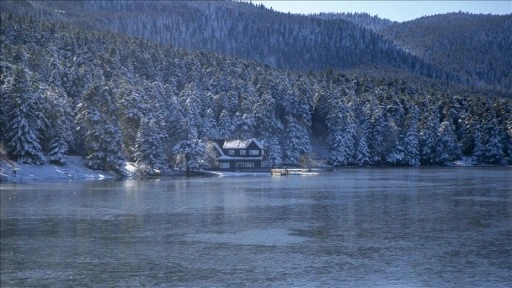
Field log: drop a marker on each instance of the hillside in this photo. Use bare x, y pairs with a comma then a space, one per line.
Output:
478, 46
287, 41
366, 20
109, 98
435, 47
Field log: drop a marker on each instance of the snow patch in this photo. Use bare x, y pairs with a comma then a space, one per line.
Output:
463, 162
73, 170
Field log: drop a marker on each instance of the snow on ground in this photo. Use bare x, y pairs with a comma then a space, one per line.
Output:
463, 162
74, 169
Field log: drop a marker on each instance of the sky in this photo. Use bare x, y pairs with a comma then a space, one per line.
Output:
392, 10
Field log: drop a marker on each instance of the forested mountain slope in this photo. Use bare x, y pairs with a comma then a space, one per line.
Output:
287, 41
458, 47
362, 19
478, 46
112, 98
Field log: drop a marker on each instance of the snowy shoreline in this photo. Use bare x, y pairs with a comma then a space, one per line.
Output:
76, 170
73, 170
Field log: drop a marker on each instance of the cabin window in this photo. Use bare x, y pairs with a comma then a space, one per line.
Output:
231, 152
224, 165
254, 152
243, 152
244, 164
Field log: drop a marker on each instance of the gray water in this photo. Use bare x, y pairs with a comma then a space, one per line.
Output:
428, 227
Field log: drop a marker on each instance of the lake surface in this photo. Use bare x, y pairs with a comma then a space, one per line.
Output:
414, 227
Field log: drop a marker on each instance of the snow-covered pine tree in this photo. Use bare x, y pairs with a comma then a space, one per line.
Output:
175, 129
394, 145
341, 128
98, 126
269, 128
191, 101
273, 150
493, 149
478, 152
190, 154
225, 125
447, 148
148, 146
362, 152
411, 137
23, 119
60, 134
208, 129
297, 141
428, 137
376, 132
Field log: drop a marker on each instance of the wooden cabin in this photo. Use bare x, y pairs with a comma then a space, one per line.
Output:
238, 154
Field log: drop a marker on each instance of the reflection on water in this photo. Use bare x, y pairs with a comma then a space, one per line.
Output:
442, 227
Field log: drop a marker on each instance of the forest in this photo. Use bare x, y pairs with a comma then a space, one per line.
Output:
112, 97
463, 48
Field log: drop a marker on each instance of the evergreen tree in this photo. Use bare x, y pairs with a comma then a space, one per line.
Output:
225, 125
447, 148
273, 151
208, 127
98, 126
493, 148
478, 154
341, 133
23, 119
148, 146
60, 133
362, 156
297, 141
429, 127
411, 138
377, 134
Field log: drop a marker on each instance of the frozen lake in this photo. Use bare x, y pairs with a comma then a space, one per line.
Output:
415, 227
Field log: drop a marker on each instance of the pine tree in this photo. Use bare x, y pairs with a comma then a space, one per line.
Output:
60, 132
447, 148
341, 132
98, 126
429, 128
478, 154
394, 145
377, 133
362, 156
411, 138
225, 125
208, 127
297, 141
148, 146
493, 149
23, 119
190, 154
273, 151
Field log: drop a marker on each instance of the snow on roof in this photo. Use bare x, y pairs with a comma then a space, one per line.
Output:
239, 144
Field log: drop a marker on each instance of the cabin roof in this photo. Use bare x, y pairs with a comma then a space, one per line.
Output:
240, 144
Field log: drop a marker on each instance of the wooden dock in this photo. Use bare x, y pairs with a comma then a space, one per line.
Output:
280, 172
286, 172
